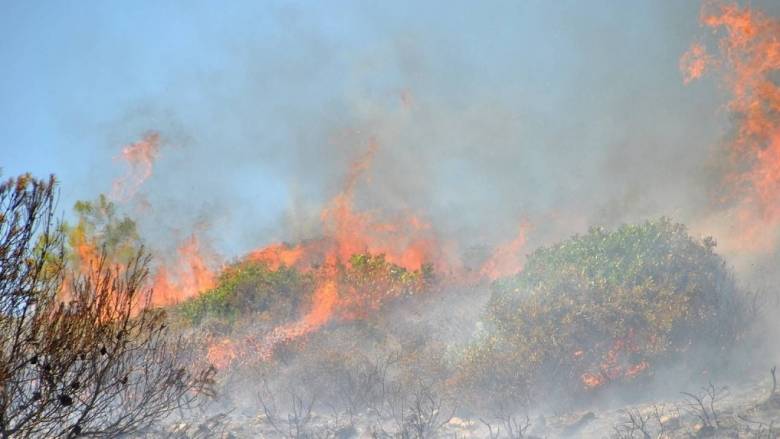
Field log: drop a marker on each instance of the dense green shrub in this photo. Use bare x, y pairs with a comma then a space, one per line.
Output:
369, 281
247, 288
366, 282
607, 307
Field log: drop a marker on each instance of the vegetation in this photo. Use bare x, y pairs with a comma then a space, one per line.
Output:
594, 311
79, 354
246, 289
609, 306
368, 281
100, 228
603, 309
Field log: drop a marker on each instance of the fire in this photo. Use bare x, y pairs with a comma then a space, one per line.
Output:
506, 259
85, 250
324, 301
749, 61
408, 243
221, 353
277, 255
189, 275
140, 157
592, 381
615, 364
694, 62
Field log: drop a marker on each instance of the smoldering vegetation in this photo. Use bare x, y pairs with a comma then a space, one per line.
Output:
636, 299
609, 319
588, 339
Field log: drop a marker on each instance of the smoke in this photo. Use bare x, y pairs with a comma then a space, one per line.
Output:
746, 62
433, 137
512, 114
139, 158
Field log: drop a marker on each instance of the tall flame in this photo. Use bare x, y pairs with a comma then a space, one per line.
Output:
694, 62
276, 256
407, 241
507, 259
188, 276
139, 157
749, 59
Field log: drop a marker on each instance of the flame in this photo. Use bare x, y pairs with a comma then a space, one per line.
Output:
749, 60
85, 254
85, 249
408, 242
140, 157
221, 353
592, 381
189, 275
694, 62
636, 369
506, 260
615, 364
276, 256
324, 301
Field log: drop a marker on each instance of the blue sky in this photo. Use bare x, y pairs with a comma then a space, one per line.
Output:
519, 107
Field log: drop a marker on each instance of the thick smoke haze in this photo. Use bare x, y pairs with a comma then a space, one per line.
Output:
563, 115
503, 205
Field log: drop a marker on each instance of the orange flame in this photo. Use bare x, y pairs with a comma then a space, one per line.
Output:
139, 157
221, 353
277, 255
408, 242
190, 275
615, 364
507, 259
592, 381
694, 62
324, 302
749, 59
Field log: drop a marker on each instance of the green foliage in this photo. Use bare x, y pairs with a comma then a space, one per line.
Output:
373, 280
246, 288
100, 227
610, 305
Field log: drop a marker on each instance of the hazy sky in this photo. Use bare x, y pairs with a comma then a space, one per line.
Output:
485, 112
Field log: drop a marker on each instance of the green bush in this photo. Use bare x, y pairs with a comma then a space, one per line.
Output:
607, 307
369, 281
246, 288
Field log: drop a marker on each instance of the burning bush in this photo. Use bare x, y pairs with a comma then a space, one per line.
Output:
248, 288
101, 229
80, 353
609, 306
259, 309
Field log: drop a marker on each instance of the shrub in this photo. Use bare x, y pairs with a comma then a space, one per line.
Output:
608, 306
247, 288
79, 354
369, 281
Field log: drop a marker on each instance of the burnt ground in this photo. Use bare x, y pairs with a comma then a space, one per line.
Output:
744, 410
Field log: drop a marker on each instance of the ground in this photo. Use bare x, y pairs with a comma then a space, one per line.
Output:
740, 410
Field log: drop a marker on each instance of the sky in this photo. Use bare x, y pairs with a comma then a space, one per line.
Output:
486, 113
